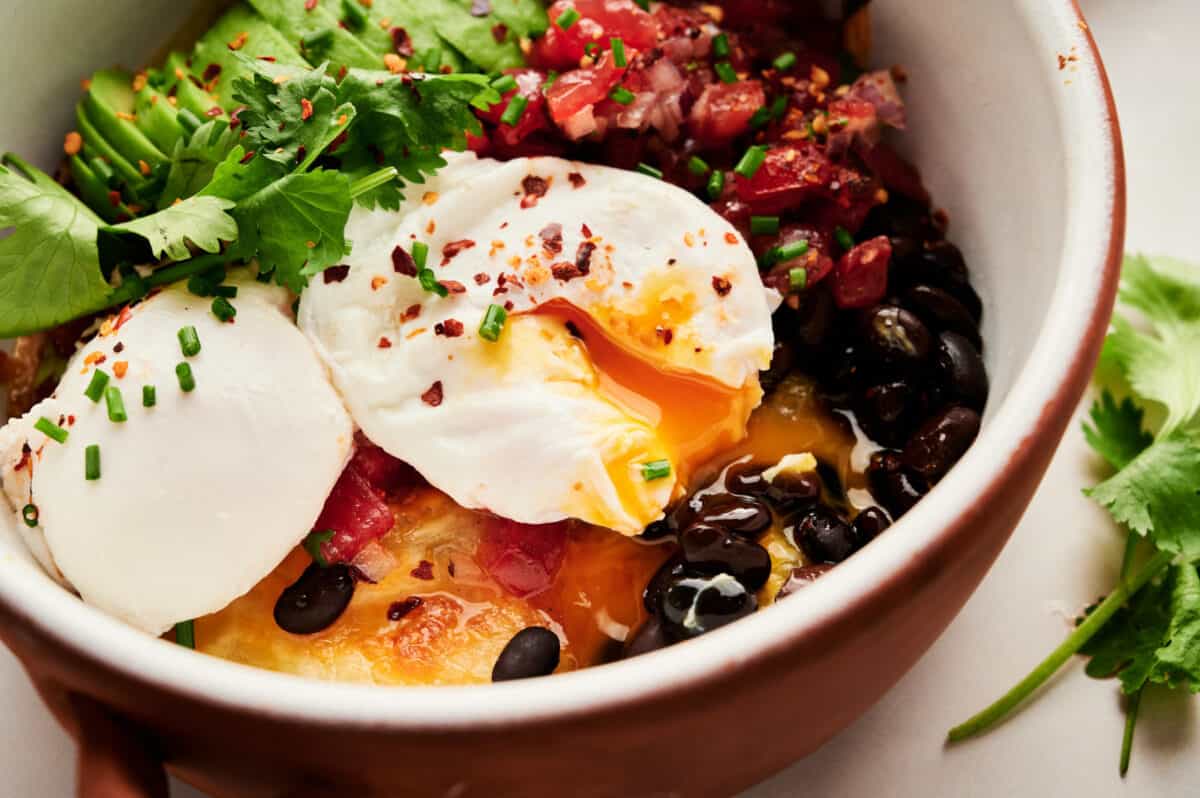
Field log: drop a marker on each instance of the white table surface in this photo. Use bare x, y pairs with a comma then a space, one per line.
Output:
1064, 553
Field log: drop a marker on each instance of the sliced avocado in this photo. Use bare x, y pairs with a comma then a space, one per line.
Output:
239, 33
523, 18
473, 36
94, 140
157, 118
109, 105
388, 15
181, 85
328, 41
95, 192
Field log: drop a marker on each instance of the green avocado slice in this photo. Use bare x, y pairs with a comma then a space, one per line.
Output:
96, 141
240, 33
109, 105
181, 85
157, 118
387, 15
95, 192
474, 37
299, 22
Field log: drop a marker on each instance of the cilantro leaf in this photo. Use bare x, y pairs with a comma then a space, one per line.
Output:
1163, 364
296, 225
49, 265
201, 221
195, 159
1116, 430
1155, 638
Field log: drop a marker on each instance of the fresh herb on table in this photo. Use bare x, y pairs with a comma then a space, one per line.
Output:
279, 192
1147, 630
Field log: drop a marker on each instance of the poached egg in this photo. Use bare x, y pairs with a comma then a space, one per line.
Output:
636, 327
200, 495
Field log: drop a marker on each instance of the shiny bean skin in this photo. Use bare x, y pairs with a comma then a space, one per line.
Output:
896, 337
940, 310
315, 600
533, 651
960, 371
940, 442
824, 536
891, 485
714, 550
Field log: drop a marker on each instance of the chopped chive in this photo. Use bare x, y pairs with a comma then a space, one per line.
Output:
149, 396
116, 405
187, 381
698, 166
91, 463
779, 107
844, 239
494, 319
504, 84
51, 430
726, 72
649, 170
223, 309
797, 279
429, 282
227, 291
656, 469
312, 544
185, 634
515, 110
420, 253
189, 341
318, 38
95, 388
567, 18
784, 253
622, 95
29, 514
188, 120
760, 118
751, 162
618, 51
590, 48
720, 46
643, 4
551, 76
784, 62
199, 285
764, 225
716, 185
354, 15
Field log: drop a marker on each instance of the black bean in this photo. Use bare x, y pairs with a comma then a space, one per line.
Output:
746, 479
801, 577
825, 536
870, 524
660, 530
888, 412
791, 491
714, 550
744, 515
946, 258
315, 600
533, 651
891, 485
960, 371
941, 266
942, 311
940, 442
841, 373
650, 637
691, 607
671, 571
896, 337
814, 321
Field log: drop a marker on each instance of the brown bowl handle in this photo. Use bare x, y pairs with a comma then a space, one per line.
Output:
114, 759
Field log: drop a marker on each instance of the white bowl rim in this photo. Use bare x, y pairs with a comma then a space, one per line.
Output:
1089, 125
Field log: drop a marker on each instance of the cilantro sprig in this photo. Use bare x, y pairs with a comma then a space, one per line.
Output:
1147, 630
277, 192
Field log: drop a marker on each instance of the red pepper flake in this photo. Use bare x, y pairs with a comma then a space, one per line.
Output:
247, 157
341, 75
270, 59
26, 453
301, 153
385, 342
482, 278
586, 231
453, 286
399, 609
500, 33
583, 256
403, 263
95, 359
509, 306
552, 237
577, 180
212, 72
125, 315
721, 286
433, 397
563, 270
339, 140
335, 274
114, 198
452, 249
377, 282
424, 570
731, 239
73, 143
411, 312
309, 5
450, 328
665, 333
238, 42
535, 188
401, 42
306, 109
118, 347
121, 368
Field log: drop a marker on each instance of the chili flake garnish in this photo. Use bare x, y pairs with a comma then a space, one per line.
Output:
451, 250
411, 313
450, 328
399, 609
335, 274
424, 570
482, 278
238, 42
377, 282
306, 109
73, 143
384, 342
535, 188
721, 285
120, 369
577, 180
433, 396
453, 286
552, 237
403, 263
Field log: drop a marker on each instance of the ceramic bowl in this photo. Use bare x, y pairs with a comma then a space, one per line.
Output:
1013, 125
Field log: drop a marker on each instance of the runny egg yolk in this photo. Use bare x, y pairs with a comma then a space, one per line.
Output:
690, 417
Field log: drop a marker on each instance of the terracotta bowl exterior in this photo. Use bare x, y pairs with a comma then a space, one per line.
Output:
1024, 151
